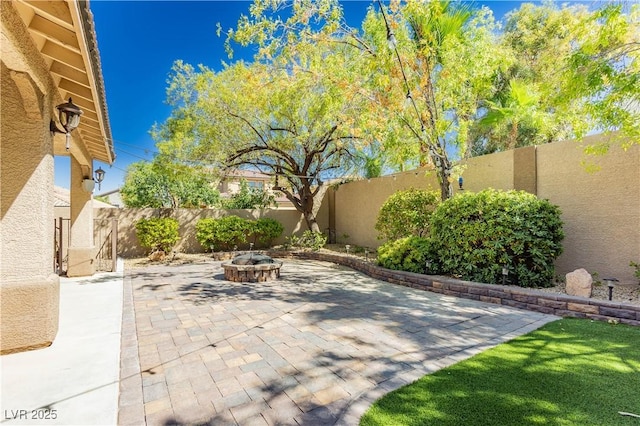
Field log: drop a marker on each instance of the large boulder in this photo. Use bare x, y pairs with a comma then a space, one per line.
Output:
579, 283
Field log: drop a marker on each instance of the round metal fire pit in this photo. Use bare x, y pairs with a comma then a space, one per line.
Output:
251, 268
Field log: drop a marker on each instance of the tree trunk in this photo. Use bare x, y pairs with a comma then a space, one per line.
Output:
312, 223
444, 172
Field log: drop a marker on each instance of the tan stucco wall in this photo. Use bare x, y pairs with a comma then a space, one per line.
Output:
81, 249
128, 244
28, 288
357, 204
601, 210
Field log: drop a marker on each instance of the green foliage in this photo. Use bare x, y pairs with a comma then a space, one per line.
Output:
158, 234
406, 254
406, 213
636, 267
476, 234
308, 240
223, 233
159, 184
249, 198
265, 230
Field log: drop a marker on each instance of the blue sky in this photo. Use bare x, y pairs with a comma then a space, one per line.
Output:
140, 40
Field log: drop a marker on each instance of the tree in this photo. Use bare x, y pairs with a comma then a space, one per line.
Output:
438, 66
291, 118
572, 71
162, 185
603, 72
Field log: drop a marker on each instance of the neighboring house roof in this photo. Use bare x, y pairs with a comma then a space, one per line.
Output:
63, 32
247, 174
62, 197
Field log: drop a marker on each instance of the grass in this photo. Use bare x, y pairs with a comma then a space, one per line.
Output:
569, 372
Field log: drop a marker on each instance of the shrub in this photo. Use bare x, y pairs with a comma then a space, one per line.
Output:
406, 254
265, 230
158, 234
222, 233
308, 240
476, 234
406, 213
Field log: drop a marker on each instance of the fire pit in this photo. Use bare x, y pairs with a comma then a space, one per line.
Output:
251, 268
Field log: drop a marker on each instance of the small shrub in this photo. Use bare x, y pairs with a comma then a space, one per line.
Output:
636, 267
406, 213
223, 233
474, 235
308, 240
158, 234
406, 254
265, 230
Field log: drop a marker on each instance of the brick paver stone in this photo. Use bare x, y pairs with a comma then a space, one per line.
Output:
315, 347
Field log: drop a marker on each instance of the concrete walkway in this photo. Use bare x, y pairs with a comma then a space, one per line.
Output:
75, 380
317, 347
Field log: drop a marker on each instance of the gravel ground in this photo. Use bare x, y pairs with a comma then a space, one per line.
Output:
621, 293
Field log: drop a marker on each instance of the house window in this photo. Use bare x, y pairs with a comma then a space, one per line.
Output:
256, 184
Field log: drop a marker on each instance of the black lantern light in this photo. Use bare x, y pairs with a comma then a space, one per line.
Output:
69, 116
99, 176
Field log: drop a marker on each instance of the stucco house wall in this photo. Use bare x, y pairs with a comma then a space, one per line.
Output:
29, 289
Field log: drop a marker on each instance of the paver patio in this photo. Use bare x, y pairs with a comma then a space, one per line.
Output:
316, 347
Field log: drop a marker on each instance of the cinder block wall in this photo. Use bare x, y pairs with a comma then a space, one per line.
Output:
129, 246
601, 210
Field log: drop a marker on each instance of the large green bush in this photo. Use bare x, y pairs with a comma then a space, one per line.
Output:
406, 213
406, 254
474, 235
158, 234
223, 233
265, 230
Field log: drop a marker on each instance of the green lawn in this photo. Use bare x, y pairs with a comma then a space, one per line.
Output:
569, 372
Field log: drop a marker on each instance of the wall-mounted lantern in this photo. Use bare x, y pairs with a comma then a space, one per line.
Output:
99, 176
69, 116
88, 184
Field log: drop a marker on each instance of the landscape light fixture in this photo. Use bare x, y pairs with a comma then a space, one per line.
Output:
460, 182
366, 254
427, 265
610, 283
505, 274
69, 116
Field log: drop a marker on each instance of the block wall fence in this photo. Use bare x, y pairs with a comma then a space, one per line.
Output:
600, 210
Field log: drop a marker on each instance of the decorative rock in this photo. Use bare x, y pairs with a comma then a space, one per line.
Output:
157, 256
579, 283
